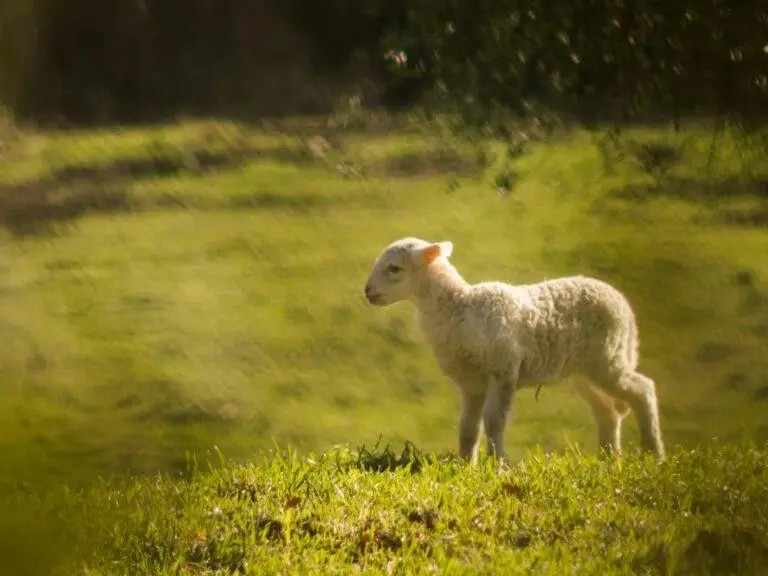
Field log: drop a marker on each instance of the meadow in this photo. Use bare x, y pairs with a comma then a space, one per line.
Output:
192, 293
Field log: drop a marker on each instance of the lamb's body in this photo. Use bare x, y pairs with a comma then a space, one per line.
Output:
493, 338
555, 329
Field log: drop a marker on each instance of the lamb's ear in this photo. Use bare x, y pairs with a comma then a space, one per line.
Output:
446, 249
430, 253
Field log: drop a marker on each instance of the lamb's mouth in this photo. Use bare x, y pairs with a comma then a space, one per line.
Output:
375, 299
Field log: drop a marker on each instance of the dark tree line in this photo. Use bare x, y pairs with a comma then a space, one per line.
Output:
97, 60
593, 58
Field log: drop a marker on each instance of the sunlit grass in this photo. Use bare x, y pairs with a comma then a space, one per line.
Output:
233, 315
217, 309
380, 511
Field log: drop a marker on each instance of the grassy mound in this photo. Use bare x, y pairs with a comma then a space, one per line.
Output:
379, 512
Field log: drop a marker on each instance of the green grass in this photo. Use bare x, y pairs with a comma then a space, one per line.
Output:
220, 308
700, 512
233, 315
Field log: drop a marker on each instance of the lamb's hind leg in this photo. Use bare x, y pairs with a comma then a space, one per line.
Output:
608, 414
639, 392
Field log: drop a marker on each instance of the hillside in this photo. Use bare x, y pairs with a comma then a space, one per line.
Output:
168, 289
192, 293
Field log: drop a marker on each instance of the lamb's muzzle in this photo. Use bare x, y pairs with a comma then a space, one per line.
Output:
371, 295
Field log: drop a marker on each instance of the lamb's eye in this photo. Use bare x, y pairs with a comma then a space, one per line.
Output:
393, 269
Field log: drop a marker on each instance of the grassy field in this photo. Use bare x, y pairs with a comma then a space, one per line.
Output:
179, 290
700, 512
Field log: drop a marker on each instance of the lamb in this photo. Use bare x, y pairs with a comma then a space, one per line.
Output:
493, 339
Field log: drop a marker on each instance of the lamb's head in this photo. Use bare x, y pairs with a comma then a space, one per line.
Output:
397, 270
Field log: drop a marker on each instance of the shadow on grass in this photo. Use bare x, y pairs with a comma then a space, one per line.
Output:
710, 193
267, 200
43, 206
724, 550
160, 161
443, 161
385, 459
698, 190
40, 208
49, 205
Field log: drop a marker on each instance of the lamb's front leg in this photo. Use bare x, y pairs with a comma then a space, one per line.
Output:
497, 409
469, 425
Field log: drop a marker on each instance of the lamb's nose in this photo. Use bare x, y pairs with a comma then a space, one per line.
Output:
367, 290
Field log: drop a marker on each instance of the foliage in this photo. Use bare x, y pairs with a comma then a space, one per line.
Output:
618, 61
615, 61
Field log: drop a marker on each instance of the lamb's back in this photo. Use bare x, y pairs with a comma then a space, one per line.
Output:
554, 325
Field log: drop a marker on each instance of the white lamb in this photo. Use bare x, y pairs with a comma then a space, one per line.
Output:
492, 339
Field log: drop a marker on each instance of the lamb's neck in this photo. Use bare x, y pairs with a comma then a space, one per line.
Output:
439, 285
